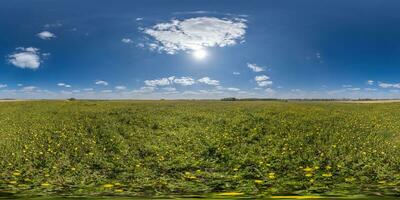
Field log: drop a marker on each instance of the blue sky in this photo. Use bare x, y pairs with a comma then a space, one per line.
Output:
199, 49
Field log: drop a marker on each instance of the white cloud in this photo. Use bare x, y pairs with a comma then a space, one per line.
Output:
100, 82
29, 89
370, 82
263, 80
232, 89
236, 73
157, 82
389, 85
270, 90
169, 89
127, 40
106, 91
46, 35
255, 67
139, 19
185, 81
347, 86
196, 33
25, 58
354, 89
88, 89
3, 85
370, 89
63, 85
208, 81
120, 87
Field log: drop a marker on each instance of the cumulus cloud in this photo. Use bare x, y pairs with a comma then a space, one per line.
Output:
196, 33
127, 40
100, 82
255, 67
236, 73
25, 58
389, 85
46, 35
63, 85
263, 80
208, 81
3, 85
158, 82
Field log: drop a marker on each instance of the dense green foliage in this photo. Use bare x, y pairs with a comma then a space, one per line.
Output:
197, 147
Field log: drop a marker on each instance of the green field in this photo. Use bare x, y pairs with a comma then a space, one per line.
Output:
156, 148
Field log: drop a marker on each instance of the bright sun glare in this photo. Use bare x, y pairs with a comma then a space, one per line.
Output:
199, 54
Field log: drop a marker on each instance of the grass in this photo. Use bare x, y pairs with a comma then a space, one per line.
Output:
150, 148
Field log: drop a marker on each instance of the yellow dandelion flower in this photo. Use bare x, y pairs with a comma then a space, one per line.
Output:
108, 185
308, 169
258, 181
16, 174
45, 184
271, 175
327, 175
13, 182
309, 175
118, 190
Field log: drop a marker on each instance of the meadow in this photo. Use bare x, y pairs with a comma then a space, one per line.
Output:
194, 148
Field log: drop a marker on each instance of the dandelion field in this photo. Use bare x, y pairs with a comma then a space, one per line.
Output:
156, 148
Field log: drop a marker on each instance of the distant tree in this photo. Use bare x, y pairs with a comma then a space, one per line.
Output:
71, 99
229, 99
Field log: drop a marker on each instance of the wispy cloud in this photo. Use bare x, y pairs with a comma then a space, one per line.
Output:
255, 68
263, 80
63, 85
389, 85
127, 40
101, 82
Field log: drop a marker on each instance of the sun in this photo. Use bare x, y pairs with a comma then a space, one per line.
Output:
199, 54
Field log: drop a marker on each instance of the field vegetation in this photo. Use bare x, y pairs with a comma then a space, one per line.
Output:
147, 148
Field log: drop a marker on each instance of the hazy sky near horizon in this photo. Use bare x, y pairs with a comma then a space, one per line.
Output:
199, 49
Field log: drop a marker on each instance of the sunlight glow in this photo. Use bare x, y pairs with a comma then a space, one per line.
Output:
199, 54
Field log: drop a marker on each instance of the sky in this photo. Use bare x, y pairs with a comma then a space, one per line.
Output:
180, 49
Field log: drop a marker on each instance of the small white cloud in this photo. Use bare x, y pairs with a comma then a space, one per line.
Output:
295, 90
370, 89
255, 67
196, 33
100, 82
120, 87
127, 40
208, 81
236, 73
106, 91
370, 82
63, 85
25, 58
185, 81
3, 85
46, 35
347, 86
263, 80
